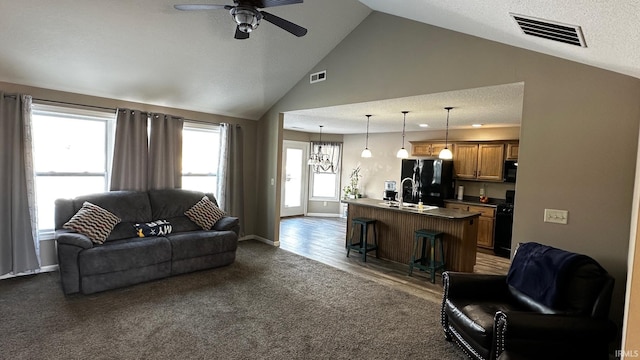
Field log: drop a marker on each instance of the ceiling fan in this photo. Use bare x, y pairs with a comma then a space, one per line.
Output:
247, 16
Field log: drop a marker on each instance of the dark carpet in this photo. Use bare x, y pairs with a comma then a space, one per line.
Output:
269, 304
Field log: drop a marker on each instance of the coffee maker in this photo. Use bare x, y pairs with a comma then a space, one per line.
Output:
390, 192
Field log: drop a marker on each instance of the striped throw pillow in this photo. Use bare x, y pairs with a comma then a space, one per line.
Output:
205, 213
93, 221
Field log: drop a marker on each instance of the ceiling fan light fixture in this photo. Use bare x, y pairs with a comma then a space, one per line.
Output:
247, 19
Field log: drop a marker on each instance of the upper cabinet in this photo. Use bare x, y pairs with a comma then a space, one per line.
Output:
512, 151
477, 161
428, 149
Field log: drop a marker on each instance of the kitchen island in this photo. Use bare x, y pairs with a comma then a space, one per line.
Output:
396, 226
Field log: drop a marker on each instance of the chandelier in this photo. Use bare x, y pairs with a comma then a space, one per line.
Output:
319, 161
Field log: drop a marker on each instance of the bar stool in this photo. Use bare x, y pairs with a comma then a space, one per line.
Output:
430, 263
362, 246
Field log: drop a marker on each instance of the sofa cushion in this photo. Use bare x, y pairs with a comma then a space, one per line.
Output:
130, 206
93, 221
204, 213
169, 203
124, 254
193, 244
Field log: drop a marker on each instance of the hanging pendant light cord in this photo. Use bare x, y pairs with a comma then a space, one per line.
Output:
366, 143
446, 136
404, 124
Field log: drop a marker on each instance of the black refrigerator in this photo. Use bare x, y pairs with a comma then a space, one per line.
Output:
431, 181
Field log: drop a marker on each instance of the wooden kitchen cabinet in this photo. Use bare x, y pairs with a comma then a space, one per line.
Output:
486, 222
465, 161
512, 151
430, 149
475, 161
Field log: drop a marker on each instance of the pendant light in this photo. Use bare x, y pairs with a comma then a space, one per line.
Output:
319, 161
402, 153
446, 154
366, 153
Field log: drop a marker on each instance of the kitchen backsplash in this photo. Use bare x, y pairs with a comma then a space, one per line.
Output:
492, 190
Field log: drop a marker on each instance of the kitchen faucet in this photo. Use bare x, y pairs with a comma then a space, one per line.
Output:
414, 188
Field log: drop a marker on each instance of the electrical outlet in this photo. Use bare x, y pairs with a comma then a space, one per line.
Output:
556, 216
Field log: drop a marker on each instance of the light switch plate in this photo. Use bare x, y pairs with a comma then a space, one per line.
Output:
556, 216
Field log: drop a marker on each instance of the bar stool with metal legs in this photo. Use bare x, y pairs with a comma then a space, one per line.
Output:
432, 262
362, 246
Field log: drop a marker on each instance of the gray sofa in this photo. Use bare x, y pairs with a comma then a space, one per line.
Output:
124, 258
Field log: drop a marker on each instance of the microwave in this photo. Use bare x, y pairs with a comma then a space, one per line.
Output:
510, 171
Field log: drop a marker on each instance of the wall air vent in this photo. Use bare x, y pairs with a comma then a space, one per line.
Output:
319, 76
565, 33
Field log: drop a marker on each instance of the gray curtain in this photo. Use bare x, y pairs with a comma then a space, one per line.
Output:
18, 218
165, 152
129, 170
230, 186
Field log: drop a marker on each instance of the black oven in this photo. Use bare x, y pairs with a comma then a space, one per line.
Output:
510, 171
504, 226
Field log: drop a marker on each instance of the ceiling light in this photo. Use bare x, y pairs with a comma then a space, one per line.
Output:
366, 153
402, 153
424, 125
445, 153
477, 125
247, 18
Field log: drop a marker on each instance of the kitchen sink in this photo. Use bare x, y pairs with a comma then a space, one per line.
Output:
411, 206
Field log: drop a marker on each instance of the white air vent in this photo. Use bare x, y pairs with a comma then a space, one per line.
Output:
551, 30
319, 76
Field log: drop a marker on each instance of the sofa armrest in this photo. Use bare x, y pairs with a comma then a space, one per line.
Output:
227, 223
552, 334
69, 237
476, 286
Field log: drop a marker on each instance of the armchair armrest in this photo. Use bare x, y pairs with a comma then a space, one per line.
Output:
478, 286
69, 237
525, 332
227, 223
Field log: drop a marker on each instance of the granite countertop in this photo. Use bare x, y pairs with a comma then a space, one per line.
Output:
413, 208
475, 200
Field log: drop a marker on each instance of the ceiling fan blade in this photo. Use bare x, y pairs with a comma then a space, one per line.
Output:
269, 3
241, 35
193, 7
296, 30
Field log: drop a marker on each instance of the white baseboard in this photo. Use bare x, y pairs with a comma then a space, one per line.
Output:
324, 214
48, 268
261, 239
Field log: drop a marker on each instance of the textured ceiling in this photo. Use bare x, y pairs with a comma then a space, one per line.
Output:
146, 51
495, 106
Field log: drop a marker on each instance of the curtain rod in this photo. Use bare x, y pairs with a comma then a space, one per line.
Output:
112, 109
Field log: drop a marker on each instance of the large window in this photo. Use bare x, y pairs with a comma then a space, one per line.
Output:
200, 148
325, 182
72, 150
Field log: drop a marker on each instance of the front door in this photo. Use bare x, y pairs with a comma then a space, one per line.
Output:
294, 184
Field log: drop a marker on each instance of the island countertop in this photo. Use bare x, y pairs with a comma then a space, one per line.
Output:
428, 211
396, 227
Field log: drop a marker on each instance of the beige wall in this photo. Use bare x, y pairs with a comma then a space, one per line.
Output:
578, 137
249, 127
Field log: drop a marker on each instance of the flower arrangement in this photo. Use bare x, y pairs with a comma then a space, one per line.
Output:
351, 190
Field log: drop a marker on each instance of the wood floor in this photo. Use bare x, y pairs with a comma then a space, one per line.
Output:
323, 239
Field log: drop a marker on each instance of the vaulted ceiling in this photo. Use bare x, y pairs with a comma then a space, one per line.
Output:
146, 51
